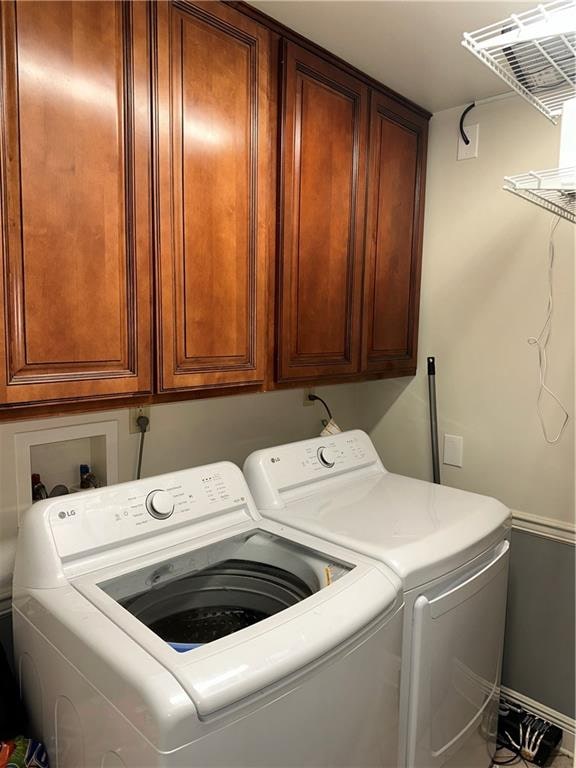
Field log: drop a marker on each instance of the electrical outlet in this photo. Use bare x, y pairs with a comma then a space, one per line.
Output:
134, 413
469, 151
309, 391
453, 450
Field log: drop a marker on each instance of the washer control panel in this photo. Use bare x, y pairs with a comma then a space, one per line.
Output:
287, 467
104, 517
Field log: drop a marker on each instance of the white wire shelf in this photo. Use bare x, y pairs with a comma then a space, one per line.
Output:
534, 53
554, 190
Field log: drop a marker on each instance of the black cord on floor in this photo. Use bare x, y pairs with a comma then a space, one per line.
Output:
514, 760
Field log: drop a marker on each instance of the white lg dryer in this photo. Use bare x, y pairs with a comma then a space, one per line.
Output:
164, 623
451, 550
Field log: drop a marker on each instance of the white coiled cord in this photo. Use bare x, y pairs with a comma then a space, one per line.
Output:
541, 342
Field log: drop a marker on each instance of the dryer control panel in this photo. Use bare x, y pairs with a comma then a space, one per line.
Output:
274, 472
106, 517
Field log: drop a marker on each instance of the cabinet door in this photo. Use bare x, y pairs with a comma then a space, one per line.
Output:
75, 319
323, 188
214, 189
396, 172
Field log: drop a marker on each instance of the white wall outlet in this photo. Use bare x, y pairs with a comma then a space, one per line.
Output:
134, 413
469, 151
453, 449
309, 391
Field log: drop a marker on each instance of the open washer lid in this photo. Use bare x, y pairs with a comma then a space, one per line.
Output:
158, 555
336, 488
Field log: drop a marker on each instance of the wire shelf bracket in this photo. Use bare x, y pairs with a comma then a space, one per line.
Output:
534, 53
554, 190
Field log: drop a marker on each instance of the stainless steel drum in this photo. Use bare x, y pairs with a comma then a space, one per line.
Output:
217, 601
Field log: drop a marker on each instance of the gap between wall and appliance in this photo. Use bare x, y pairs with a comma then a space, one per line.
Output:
567, 724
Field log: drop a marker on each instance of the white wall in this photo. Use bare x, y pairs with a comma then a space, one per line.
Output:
483, 293
181, 435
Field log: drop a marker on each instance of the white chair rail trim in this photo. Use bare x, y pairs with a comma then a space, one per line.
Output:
546, 527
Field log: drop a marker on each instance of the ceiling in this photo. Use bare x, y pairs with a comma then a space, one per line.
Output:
412, 46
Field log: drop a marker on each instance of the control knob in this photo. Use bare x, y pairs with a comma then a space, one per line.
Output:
160, 504
326, 457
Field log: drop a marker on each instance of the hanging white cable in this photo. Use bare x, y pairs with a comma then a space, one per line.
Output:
541, 342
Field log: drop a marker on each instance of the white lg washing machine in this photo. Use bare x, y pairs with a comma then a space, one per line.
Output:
451, 550
163, 622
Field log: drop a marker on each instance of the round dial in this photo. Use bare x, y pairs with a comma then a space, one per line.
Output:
160, 504
326, 456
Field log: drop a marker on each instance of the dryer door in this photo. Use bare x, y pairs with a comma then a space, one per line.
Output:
455, 667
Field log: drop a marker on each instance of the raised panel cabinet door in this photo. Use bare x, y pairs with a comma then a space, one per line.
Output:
213, 155
396, 169
324, 140
75, 195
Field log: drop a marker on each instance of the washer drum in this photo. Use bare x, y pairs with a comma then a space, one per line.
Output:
217, 601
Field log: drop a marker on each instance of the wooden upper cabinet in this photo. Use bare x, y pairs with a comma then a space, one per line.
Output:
75, 288
214, 185
138, 168
323, 172
396, 172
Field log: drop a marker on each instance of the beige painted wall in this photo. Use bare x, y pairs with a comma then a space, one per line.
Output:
182, 435
483, 293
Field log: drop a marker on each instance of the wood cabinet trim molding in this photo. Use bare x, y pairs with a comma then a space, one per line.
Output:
303, 69
404, 351
185, 363
297, 352
21, 370
180, 367
289, 34
30, 372
379, 357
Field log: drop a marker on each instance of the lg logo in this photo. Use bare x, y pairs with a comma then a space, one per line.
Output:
275, 459
63, 515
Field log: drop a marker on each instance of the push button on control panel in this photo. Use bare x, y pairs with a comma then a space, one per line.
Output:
326, 456
160, 504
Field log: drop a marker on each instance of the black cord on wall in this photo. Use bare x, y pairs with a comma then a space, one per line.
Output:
142, 422
465, 138
328, 411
